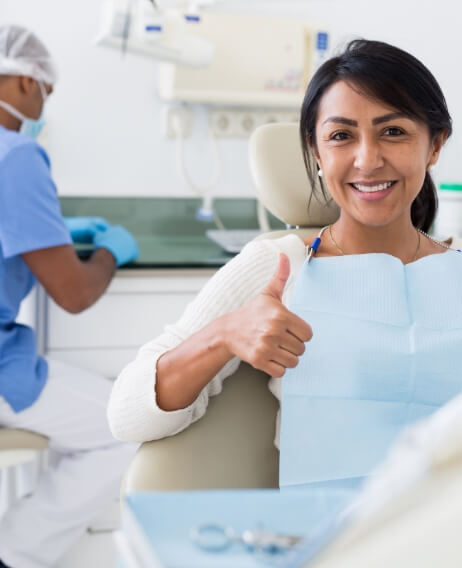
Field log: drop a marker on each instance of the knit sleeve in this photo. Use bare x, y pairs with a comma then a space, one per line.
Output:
132, 412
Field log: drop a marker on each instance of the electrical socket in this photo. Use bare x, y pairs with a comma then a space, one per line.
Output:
240, 123
184, 115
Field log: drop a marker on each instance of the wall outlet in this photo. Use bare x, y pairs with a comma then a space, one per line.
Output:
240, 123
178, 117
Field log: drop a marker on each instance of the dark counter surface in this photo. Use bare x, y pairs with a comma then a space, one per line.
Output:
167, 232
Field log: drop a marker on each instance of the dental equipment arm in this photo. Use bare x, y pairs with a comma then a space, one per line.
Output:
149, 30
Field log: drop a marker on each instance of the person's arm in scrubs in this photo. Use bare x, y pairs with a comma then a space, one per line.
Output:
42, 239
74, 285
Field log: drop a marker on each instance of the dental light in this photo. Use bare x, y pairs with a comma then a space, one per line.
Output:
159, 29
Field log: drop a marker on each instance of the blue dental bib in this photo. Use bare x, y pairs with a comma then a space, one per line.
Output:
386, 351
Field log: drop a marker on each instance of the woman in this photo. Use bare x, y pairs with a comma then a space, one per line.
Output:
376, 120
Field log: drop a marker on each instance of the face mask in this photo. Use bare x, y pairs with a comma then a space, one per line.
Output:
32, 128
29, 126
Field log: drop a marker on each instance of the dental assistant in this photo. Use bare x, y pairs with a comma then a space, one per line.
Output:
57, 400
372, 324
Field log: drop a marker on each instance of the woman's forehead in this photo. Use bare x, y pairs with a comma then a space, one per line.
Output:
348, 100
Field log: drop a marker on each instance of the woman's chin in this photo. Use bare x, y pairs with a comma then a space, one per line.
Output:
374, 219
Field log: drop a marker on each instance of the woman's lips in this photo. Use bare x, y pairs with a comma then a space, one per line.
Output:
376, 194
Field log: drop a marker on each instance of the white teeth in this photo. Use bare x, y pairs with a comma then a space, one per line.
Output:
373, 188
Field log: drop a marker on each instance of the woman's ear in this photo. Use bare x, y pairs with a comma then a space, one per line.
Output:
313, 150
437, 143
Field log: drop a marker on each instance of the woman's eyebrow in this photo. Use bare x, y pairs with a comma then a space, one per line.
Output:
342, 120
389, 116
377, 120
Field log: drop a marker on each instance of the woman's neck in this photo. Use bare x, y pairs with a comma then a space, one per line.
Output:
399, 238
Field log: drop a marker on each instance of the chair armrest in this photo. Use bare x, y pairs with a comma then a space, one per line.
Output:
232, 446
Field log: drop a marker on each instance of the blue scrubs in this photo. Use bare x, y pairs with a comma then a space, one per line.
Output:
30, 219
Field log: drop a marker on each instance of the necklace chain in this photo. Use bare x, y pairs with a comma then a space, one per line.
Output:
419, 232
334, 241
441, 243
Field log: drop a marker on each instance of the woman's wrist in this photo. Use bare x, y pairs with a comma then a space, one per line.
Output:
223, 335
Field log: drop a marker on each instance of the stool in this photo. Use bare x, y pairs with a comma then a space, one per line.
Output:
17, 447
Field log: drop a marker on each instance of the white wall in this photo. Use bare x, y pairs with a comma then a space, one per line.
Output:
105, 133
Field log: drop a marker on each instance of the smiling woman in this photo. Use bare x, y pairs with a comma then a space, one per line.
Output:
376, 120
375, 165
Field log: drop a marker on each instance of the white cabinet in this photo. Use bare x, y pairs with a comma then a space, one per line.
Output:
135, 308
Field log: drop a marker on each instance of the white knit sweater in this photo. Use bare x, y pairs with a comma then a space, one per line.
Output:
132, 412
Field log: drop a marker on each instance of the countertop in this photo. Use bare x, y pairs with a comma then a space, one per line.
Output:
167, 232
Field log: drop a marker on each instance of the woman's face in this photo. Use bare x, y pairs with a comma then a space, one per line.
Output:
373, 158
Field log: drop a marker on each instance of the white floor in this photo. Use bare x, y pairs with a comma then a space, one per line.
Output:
95, 549
92, 551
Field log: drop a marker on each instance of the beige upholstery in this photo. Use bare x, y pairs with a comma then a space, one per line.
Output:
232, 446
280, 178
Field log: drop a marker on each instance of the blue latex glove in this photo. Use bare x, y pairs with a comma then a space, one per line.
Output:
119, 242
83, 229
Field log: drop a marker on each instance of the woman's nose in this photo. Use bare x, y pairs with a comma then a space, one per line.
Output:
368, 156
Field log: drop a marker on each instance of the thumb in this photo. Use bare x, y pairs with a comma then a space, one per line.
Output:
278, 281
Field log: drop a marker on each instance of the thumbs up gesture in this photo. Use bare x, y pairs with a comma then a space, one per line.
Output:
264, 333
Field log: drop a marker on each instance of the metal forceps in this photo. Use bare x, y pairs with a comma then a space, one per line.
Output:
214, 537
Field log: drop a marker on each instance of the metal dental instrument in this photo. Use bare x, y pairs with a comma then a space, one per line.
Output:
214, 537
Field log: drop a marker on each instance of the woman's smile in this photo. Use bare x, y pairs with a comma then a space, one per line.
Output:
372, 191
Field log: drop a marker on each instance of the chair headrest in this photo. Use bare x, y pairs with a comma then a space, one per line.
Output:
280, 178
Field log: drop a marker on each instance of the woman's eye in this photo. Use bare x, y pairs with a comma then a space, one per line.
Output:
339, 136
393, 131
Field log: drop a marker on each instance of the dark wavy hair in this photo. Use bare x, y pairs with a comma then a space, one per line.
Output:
388, 74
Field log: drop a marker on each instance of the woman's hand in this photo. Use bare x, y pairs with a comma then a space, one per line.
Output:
264, 332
